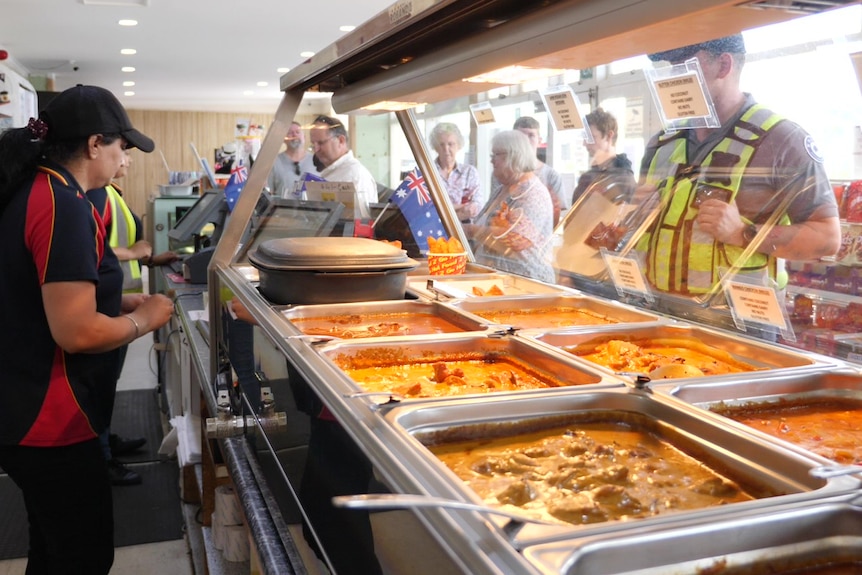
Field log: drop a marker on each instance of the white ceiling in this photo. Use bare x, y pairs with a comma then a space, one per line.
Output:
200, 55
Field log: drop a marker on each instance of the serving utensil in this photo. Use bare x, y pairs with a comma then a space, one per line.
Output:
381, 501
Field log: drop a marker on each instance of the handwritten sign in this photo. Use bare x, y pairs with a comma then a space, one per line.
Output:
682, 97
483, 113
564, 109
757, 304
626, 273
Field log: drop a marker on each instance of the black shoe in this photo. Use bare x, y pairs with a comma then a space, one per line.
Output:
121, 445
122, 475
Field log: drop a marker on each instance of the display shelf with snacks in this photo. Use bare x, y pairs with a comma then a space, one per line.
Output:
826, 322
824, 298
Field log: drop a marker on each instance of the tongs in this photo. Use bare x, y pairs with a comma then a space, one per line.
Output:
380, 501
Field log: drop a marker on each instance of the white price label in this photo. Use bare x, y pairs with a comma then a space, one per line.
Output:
757, 304
626, 274
682, 97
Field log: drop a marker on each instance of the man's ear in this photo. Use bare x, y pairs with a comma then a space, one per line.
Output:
725, 64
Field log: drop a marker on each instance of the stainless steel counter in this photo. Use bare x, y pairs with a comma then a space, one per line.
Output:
278, 554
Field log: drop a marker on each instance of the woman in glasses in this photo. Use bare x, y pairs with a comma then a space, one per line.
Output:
285, 179
513, 232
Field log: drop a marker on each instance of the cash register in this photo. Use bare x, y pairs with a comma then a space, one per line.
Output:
203, 223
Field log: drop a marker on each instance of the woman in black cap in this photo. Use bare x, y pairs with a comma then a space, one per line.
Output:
64, 318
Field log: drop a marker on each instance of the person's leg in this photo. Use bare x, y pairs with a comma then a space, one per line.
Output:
69, 506
105, 443
120, 445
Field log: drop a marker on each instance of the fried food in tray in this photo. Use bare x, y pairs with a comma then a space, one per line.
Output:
358, 326
830, 427
660, 357
604, 467
388, 370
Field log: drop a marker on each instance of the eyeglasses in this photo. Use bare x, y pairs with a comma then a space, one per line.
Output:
321, 142
296, 168
495, 155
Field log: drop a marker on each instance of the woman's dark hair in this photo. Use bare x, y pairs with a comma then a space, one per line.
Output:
20, 154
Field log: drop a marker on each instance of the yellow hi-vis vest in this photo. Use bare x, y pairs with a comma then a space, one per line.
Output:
681, 258
123, 230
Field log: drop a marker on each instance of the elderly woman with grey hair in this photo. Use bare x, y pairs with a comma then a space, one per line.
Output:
513, 233
460, 180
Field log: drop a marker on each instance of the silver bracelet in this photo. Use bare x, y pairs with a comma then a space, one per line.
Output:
134, 323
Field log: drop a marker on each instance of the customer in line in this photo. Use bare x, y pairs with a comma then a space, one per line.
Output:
550, 177
513, 232
125, 236
460, 180
65, 318
331, 145
719, 186
610, 173
285, 178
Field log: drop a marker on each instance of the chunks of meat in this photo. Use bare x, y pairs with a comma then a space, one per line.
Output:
442, 373
517, 493
577, 508
619, 498
717, 487
505, 379
504, 465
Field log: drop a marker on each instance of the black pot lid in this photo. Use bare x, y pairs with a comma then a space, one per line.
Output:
329, 254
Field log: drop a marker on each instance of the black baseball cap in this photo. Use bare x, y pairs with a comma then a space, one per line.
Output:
730, 44
82, 111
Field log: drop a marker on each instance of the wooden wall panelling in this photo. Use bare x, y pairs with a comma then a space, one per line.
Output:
172, 132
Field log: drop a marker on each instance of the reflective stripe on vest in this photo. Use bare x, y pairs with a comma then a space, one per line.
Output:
123, 234
681, 258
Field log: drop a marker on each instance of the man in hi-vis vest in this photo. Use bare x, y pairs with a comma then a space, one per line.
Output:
720, 186
125, 237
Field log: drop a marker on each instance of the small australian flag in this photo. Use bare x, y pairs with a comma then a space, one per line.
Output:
414, 201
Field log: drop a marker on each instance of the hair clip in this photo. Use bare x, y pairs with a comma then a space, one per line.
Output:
38, 128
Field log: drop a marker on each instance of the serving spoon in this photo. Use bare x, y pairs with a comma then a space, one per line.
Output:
380, 501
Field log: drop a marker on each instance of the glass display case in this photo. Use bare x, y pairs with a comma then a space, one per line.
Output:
566, 150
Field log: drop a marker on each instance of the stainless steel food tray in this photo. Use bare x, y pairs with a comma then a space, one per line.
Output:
819, 385
767, 357
369, 310
461, 287
740, 456
426, 348
613, 311
792, 537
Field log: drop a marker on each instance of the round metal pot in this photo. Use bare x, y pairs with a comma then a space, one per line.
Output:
319, 270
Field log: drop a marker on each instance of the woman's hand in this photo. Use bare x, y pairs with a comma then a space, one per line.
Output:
163, 258
131, 301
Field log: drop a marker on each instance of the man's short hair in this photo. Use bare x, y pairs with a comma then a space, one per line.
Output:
604, 122
527, 123
336, 128
729, 44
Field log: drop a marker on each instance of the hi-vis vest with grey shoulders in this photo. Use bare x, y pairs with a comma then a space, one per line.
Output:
681, 258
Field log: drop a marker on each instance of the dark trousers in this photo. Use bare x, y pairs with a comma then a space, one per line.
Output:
69, 506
